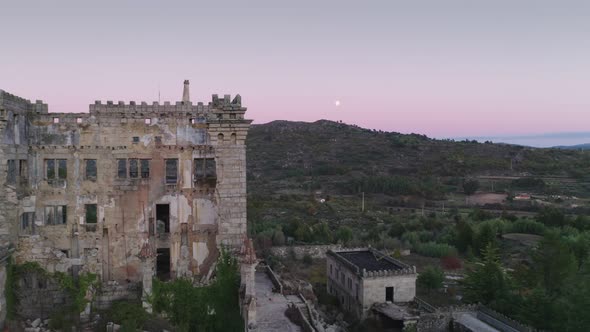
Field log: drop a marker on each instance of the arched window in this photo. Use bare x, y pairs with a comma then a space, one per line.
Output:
220, 138
233, 138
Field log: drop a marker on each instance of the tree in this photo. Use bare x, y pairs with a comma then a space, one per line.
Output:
486, 281
551, 216
470, 187
278, 238
464, 235
554, 263
486, 235
431, 278
344, 234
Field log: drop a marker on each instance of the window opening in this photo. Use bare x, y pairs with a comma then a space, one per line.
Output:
171, 171
91, 169
91, 215
11, 176
163, 263
163, 218
121, 168
133, 170
55, 215
145, 168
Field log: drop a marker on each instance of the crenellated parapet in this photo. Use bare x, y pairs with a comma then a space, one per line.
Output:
217, 107
394, 266
16, 104
387, 273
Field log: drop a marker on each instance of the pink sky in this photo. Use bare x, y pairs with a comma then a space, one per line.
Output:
445, 70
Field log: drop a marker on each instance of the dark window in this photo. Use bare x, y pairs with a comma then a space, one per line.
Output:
388, 294
121, 168
220, 138
11, 176
133, 170
23, 169
50, 169
91, 169
91, 215
135, 139
55, 215
27, 223
163, 218
233, 138
232, 116
184, 234
145, 168
205, 168
62, 168
171, 171
163, 263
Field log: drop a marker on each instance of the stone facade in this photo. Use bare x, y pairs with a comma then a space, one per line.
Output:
359, 287
125, 189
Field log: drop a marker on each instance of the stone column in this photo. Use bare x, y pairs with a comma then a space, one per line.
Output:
185, 92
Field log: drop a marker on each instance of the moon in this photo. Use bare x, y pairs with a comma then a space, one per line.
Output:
337, 103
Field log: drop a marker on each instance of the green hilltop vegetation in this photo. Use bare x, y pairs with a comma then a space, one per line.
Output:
511, 219
306, 181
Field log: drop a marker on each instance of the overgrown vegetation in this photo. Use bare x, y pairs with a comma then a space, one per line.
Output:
210, 308
76, 289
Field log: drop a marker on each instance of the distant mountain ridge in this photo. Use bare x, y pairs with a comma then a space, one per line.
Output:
585, 146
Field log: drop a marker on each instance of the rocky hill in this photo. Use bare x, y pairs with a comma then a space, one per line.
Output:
288, 156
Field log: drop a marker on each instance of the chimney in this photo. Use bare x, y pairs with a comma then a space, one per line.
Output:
185, 93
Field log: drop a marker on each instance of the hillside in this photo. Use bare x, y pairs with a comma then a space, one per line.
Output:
288, 156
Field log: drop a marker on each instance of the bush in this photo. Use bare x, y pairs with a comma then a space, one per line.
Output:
451, 262
131, 315
433, 249
527, 227
431, 278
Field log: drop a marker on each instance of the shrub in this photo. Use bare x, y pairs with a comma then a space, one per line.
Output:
431, 278
527, 227
451, 262
433, 249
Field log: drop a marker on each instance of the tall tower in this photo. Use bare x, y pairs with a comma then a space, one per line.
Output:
185, 92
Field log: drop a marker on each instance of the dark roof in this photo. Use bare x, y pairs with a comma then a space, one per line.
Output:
368, 260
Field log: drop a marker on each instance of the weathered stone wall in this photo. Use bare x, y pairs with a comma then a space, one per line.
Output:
315, 251
204, 214
373, 289
349, 295
39, 296
434, 322
3, 276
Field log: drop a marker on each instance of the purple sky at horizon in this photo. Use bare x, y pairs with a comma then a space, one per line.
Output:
441, 68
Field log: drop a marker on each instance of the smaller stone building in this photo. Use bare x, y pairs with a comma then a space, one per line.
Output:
360, 278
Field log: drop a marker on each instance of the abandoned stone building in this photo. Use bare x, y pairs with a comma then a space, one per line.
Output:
126, 191
361, 278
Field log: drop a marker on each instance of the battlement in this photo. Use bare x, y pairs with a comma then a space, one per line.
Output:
216, 105
371, 263
10, 102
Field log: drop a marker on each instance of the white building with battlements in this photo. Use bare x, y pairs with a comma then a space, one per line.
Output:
360, 278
